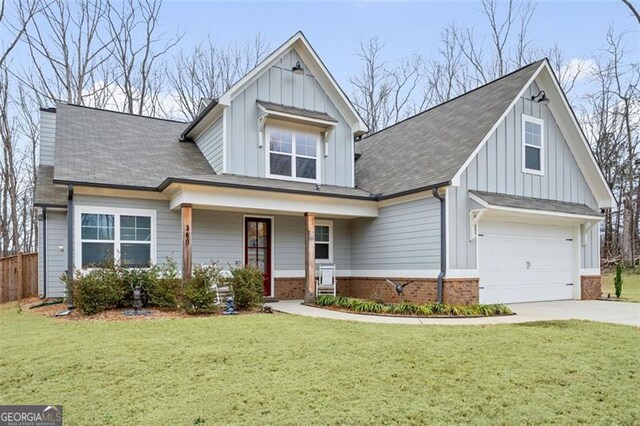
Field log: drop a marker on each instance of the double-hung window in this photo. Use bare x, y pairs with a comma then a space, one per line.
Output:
532, 145
107, 235
324, 241
293, 155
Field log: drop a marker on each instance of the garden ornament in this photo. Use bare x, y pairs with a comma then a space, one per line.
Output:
399, 287
230, 309
137, 298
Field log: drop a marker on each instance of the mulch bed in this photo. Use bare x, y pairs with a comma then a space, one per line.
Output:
112, 314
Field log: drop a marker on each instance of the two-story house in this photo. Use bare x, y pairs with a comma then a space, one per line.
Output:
493, 196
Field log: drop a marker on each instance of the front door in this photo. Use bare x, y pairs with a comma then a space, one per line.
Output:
257, 252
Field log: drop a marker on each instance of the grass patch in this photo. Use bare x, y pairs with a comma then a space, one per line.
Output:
630, 286
285, 369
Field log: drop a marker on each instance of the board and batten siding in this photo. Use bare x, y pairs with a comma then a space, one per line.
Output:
279, 85
56, 258
210, 144
498, 168
403, 237
47, 137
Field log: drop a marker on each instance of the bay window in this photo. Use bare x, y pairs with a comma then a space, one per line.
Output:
293, 155
105, 235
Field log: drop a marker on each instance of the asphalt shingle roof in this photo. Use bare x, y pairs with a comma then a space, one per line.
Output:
105, 147
527, 203
48, 194
429, 148
296, 111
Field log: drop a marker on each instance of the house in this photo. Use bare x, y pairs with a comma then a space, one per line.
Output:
493, 196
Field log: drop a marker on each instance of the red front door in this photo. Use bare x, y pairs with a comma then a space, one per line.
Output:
257, 251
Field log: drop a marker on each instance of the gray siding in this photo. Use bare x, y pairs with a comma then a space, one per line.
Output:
278, 84
56, 259
169, 242
211, 145
218, 235
498, 168
47, 137
403, 237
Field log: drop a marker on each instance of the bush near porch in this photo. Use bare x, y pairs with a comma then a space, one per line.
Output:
410, 309
111, 286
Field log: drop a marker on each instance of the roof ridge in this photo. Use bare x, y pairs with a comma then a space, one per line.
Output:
457, 97
119, 112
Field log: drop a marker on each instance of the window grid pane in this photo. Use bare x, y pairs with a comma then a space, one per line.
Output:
97, 226
135, 228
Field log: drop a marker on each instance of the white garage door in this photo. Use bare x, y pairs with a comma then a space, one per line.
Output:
525, 263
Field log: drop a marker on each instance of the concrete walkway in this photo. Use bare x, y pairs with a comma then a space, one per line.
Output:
592, 310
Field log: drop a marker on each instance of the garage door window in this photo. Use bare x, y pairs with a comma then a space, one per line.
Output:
532, 145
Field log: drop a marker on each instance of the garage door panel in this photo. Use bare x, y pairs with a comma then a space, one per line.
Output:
525, 262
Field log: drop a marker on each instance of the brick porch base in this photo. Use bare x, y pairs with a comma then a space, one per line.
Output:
590, 287
464, 291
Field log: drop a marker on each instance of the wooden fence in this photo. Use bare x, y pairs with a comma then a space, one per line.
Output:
18, 276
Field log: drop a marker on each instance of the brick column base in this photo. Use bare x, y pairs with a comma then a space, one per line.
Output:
590, 287
288, 288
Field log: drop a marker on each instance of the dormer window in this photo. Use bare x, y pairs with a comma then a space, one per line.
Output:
532, 145
293, 154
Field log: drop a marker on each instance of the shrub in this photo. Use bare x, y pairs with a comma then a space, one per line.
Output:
198, 295
246, 286
617, 282
406, 308
97, 290
165, 286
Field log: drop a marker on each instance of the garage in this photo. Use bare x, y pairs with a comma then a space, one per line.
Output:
522, 262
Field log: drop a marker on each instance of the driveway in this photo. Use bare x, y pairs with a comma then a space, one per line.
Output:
611, 312
593, 310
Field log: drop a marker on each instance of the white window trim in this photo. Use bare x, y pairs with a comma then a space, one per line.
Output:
540, 122
329, 224
116, 212
293, 130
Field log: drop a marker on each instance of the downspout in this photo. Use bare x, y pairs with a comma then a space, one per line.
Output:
70, 242
44, 252
443, 243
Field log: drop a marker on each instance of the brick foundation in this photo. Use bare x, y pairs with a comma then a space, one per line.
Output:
422, 290
289, 288
590, 287
463, 291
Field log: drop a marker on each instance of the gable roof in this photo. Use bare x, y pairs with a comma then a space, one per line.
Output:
302, 46
429, 148
102, 147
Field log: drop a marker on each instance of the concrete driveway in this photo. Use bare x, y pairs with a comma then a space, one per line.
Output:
593, 310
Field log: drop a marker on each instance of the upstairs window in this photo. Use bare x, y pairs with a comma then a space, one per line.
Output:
293, 155
532, 145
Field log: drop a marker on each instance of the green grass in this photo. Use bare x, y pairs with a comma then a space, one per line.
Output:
630, 286
281, 369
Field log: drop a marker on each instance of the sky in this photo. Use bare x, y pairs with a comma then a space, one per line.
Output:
335, 29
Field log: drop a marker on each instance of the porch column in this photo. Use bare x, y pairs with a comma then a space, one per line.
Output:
186, 240
310, 257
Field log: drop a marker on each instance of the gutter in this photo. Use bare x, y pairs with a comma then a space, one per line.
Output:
70, 211
197, 120
443, 243
44, 252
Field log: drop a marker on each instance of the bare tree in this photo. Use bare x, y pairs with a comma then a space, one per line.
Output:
66, 44
632, 9
208, 71
136, 47
15, 28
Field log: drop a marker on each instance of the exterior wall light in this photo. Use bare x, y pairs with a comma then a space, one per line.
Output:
541, 98
297, 69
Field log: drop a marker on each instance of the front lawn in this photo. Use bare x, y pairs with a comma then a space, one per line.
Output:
283, 369
630, 286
